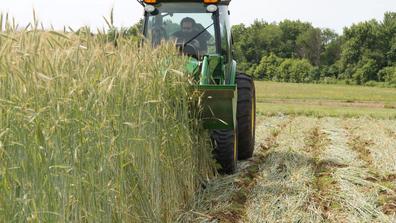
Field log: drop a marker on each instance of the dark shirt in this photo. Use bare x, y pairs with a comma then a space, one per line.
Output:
183, 37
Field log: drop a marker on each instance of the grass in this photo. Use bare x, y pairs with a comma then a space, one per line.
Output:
90, 132
323, 111
325, 100
277, 90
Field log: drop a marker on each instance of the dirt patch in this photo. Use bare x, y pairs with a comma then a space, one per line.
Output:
390, 133
271, 140
226, 217
387, 198
331, 103
316, 141
389, 204
244, 182
390, 178
387, 195
390, 106
324, 184
361, 146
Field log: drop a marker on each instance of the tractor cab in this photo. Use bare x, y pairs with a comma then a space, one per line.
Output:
197, 27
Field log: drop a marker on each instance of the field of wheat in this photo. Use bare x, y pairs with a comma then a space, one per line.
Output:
93, 132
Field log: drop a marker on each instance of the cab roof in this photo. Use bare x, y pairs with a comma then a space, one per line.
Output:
221, 2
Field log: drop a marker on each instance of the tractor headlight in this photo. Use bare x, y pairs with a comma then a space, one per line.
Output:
149, 8
211, 8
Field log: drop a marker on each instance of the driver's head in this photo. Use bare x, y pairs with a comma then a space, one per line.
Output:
187, 25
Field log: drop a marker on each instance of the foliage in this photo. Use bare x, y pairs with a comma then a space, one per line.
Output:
296, 71
366, 70
268, 67
388, 74
132, 32
288, 70
270, 51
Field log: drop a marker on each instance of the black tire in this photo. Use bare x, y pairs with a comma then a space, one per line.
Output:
225, 150
246, 116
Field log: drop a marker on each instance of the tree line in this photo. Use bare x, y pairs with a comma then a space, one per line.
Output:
296, 51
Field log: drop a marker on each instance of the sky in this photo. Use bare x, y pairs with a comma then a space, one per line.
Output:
333, 14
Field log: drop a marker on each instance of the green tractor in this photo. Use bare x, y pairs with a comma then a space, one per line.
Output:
201, 29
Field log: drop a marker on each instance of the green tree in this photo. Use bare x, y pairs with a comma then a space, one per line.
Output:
388, 74
268, 67
331, 53
295, 70
309, 45
366, 70
252, 44
388, 31
290, 32
331, 47
360, 40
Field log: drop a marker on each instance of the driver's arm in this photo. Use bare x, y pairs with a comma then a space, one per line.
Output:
203, 38
177, 37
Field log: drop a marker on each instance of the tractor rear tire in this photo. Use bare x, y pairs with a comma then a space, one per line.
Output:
246, 116
225, 150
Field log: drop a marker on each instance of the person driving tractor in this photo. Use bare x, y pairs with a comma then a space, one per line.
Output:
190, 29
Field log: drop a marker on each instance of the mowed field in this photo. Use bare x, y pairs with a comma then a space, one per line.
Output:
325, 100
318, 158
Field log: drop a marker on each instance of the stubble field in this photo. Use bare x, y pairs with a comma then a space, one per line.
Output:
312, 163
